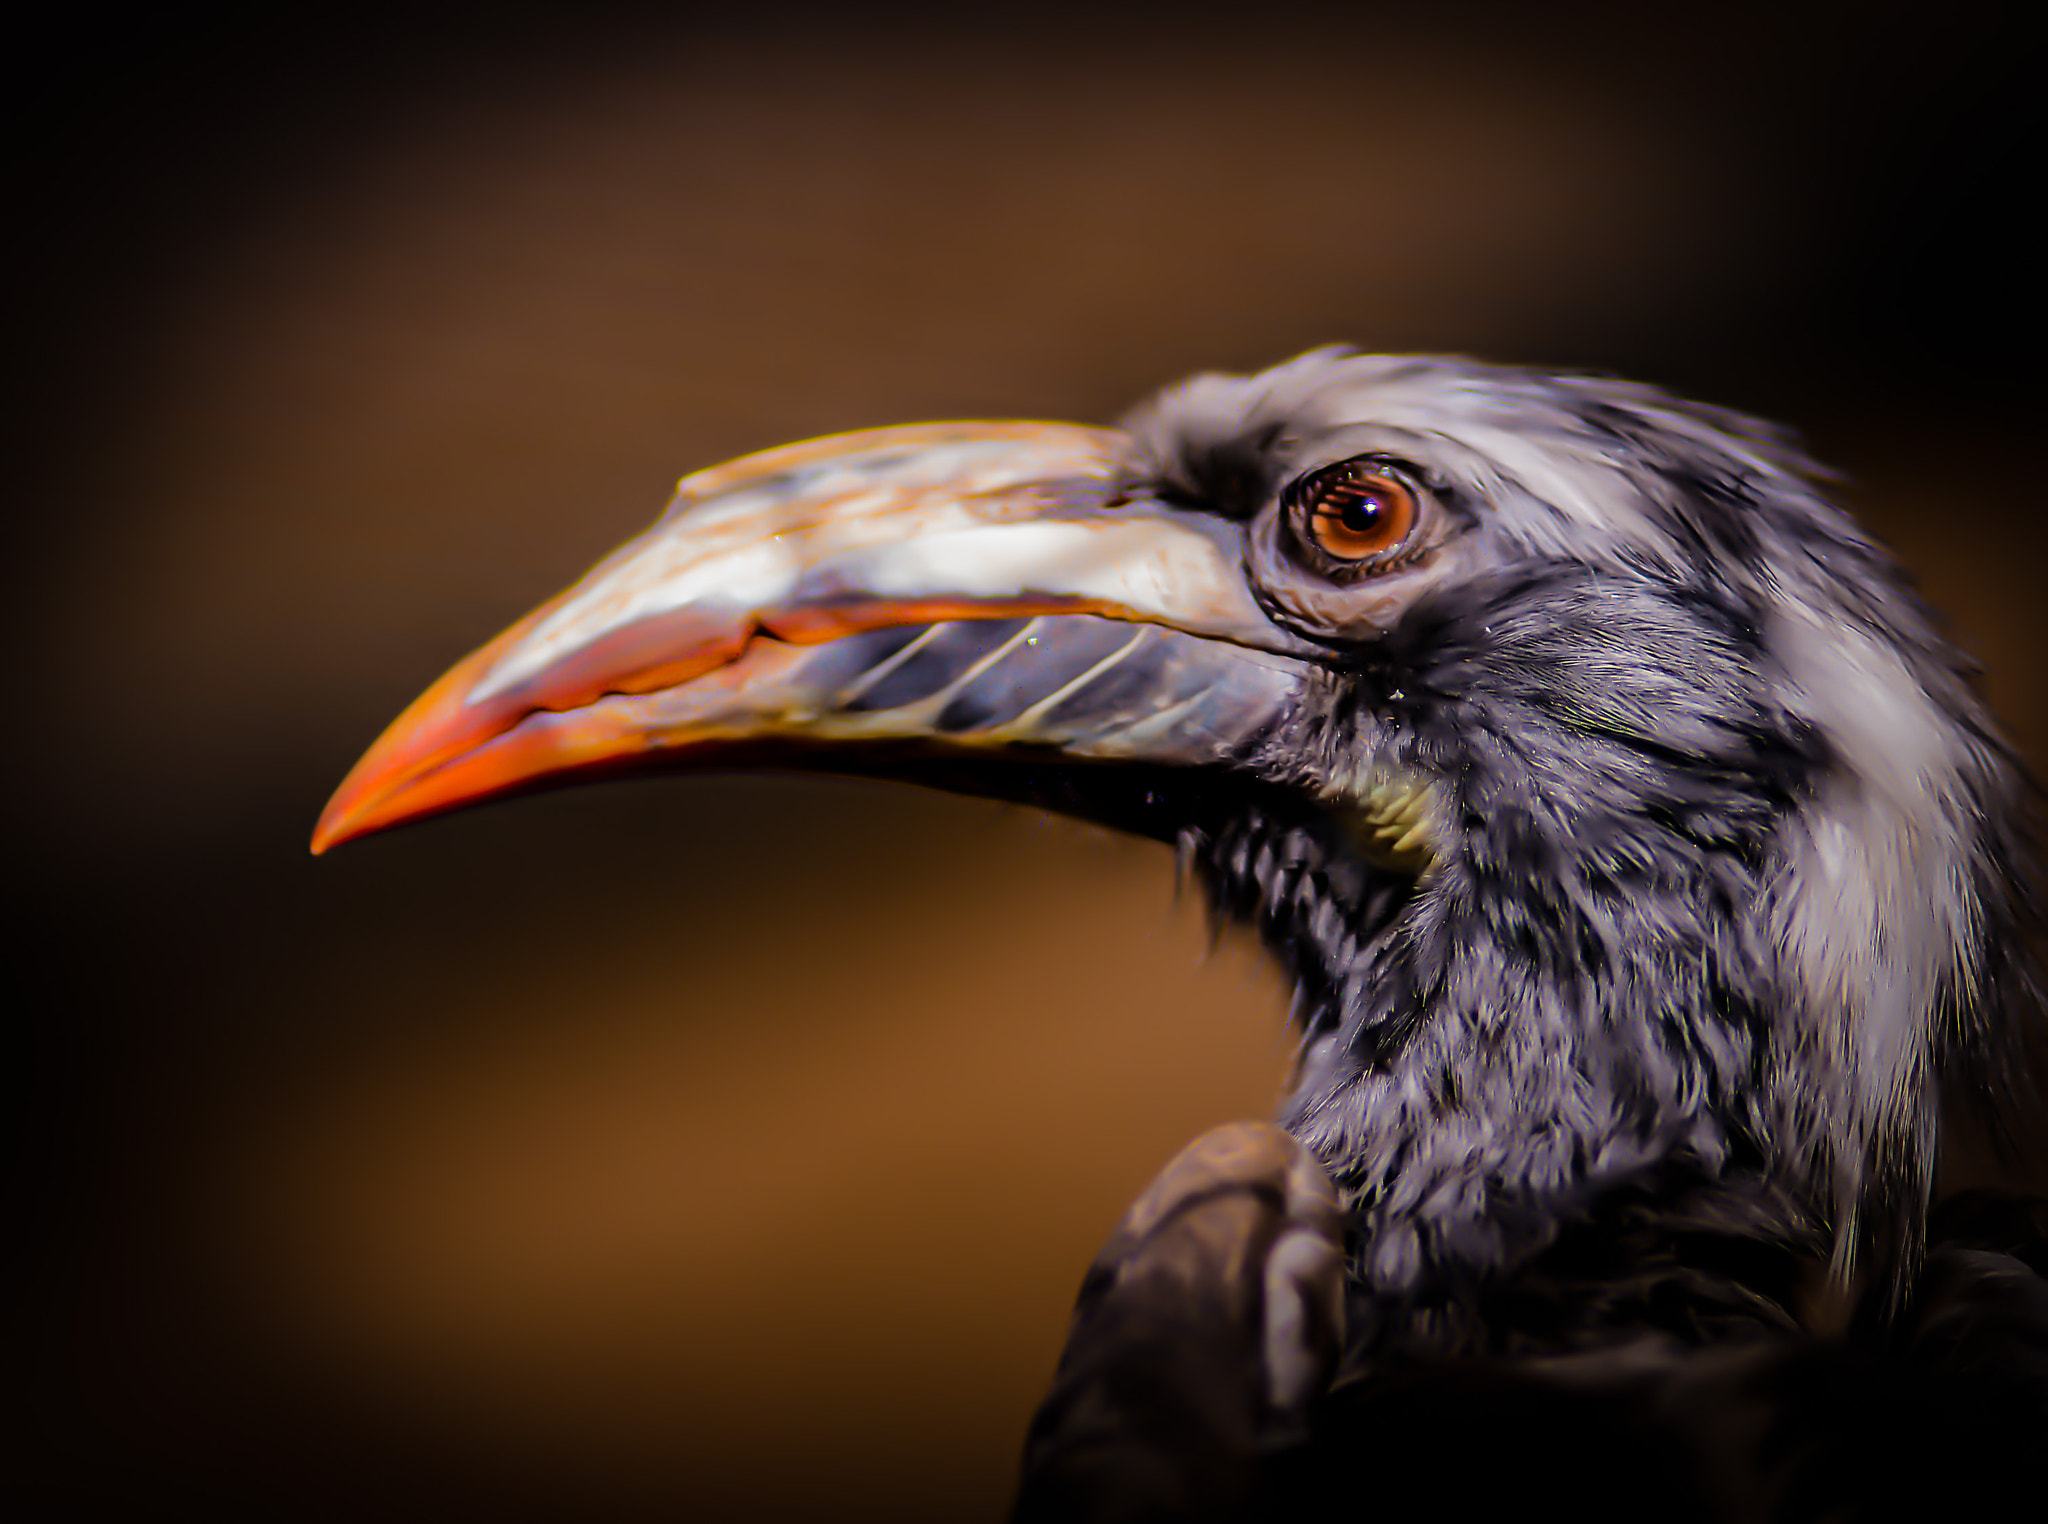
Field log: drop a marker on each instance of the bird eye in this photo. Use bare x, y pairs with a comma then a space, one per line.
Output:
1355, 511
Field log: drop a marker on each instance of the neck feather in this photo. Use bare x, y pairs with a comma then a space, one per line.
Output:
1578, 993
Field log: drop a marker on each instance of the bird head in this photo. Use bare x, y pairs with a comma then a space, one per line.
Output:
1608, 796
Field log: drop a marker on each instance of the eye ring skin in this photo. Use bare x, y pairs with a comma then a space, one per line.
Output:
1338, 602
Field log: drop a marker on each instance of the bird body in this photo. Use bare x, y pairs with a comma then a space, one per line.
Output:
1640, 851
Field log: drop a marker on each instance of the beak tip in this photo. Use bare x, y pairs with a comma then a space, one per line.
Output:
335, 826
366, 802
383, 788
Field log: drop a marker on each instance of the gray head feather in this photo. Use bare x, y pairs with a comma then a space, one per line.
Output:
1732, 863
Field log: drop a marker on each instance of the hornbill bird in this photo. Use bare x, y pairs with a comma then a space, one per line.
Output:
1643, 859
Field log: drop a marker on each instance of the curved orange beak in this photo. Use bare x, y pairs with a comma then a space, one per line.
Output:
974, 586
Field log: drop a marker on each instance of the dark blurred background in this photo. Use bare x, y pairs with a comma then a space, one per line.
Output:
732, 1148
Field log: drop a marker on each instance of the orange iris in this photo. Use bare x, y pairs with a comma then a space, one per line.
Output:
1356, 513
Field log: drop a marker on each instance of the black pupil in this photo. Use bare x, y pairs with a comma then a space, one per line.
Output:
1361, 515
1358, 506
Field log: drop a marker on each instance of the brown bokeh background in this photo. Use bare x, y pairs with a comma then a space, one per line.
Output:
731, 1148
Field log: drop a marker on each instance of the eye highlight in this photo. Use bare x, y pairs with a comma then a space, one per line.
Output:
1356, 511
